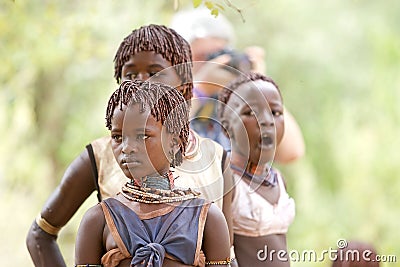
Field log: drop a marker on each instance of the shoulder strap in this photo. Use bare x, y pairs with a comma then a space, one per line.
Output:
200, 232
224, 153
94, 170
113, 229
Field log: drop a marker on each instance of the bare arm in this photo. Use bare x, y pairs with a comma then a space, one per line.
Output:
89, 240
216, 244
228, 195
292, 145
75, 187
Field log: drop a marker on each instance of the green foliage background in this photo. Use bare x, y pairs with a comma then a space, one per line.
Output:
337, 63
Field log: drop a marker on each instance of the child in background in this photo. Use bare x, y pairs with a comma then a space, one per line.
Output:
251, 111
150, 222
208, 37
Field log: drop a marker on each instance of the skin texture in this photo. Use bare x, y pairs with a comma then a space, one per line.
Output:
255, 114
150, 65
77, 183
145, 149
292, 146
254, 111
144, 144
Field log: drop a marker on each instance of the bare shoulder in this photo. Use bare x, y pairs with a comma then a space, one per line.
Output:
89, 240
215, 215
94, 215
92, 223
216, 242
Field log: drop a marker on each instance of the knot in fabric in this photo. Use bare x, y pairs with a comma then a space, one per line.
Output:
150, 255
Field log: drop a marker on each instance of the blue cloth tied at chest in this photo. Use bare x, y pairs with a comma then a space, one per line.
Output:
149, 240
151, 254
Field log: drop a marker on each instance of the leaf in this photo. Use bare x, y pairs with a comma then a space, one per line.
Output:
221, 7
209, 5
196, 3
215, 12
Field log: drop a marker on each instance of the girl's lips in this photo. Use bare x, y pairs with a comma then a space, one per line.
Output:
267, 141
129, 163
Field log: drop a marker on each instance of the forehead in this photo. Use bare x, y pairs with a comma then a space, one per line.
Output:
136, 117
256, 92
148, 58
152, 62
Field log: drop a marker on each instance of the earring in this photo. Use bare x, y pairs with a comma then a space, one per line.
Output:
172, 158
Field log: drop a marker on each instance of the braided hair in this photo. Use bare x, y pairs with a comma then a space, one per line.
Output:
227, 90
164, 41
121, 97
166, 105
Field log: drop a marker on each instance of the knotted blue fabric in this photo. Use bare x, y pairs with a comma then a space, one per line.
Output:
149, 240
151, 254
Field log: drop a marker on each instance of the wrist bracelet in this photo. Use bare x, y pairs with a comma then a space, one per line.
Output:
89, 265
46, 226
226, 262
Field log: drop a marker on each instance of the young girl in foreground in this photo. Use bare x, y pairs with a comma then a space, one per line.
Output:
251, 112
151, 223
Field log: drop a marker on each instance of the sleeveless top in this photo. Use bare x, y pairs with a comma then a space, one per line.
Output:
201, 169
172, 232
254, 216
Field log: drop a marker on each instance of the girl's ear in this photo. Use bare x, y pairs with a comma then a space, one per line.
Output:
176, 144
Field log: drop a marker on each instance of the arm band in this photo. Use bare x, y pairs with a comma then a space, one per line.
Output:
46, 226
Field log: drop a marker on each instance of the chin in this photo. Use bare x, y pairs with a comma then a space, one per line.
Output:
264, 159
127, 174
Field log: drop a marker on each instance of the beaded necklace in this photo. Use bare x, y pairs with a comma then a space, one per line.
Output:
269, 180
156, 190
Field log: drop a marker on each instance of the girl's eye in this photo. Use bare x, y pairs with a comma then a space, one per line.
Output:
154, 73
116, 138
142, 137
249, 113
130, 76
277, 113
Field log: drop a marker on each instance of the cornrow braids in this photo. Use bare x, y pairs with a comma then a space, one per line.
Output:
164, 41
121, 97
168, 106
227, 90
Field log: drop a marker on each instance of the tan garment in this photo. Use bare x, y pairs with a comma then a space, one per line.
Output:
255, 216
201, 168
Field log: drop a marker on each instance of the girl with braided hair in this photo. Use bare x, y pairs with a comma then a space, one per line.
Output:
251, 111
157, 53
151, 222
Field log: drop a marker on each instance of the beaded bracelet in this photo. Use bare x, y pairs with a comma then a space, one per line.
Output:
46, 226
226, 262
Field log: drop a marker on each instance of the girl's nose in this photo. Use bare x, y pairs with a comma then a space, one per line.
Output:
128, 147
266, 119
